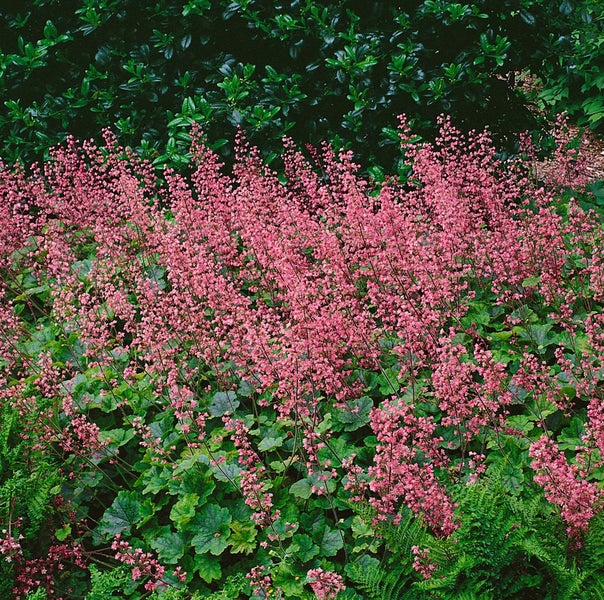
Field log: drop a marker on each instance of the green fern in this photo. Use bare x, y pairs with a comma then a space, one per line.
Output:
379, 582
41, 484
594, 590
391, 579
472, 595
593, 558
402, 537
104, 584
233, 587
39, 594
594, 545
447, 582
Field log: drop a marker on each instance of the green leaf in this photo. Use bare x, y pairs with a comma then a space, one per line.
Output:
225, 472
332, 542
512, 478
290, 581
361, 528
322, 480
208, 567
126, 511
270, 443
566, 7
572, 436
184, 510
541, 335
169, 545
222, 403
303, 547
243, 537
212, 529
301, 489
356, 413
521, 423
119, 437
63, 533
155, 479
531, 282
50, 31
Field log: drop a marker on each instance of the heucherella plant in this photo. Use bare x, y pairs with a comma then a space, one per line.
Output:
300, 385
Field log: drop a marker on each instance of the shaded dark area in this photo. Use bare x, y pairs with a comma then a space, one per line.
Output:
312, 70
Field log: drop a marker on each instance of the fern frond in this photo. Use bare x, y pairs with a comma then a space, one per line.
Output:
447, 579
593, 590
472, 595
402, 537
41, 485
594, 545
380, 583
233, 586
103, 584
489, 526
363, 509
564, 578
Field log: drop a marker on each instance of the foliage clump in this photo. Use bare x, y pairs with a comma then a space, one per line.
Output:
304, 385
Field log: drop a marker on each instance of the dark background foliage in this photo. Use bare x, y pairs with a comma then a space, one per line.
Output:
314, 70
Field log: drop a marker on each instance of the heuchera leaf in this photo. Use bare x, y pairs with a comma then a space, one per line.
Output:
169, 545
212, 529
222, 403
270, 443
304, 547
126, 511
355, 415
243, 537
63, 533
332, 542
184, 510
208, 567
301, 489
512, 478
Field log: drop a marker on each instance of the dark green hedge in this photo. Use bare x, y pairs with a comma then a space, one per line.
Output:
315, 70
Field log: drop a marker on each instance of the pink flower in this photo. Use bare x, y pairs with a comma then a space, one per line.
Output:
578, 499
325, 584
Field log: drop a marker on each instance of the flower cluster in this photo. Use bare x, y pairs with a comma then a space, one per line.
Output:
144, 564
262, 584
565, 486
422, 563
252, 486
43, 572
385, 338
325, 584
10, 546
405, 465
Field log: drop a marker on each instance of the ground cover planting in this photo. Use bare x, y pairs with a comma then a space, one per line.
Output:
305, 384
